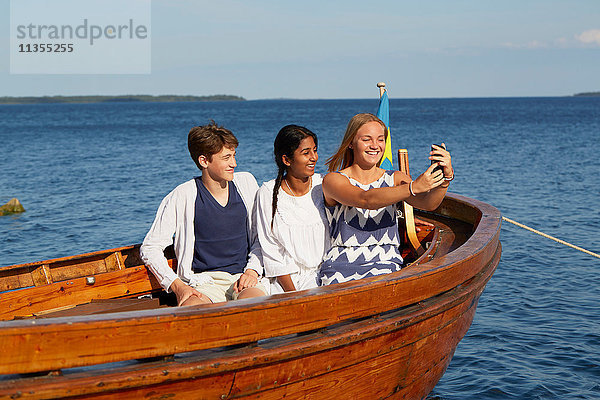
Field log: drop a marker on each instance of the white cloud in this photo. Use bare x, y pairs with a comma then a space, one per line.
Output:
534, 44
591, 36
561, 42
587, 38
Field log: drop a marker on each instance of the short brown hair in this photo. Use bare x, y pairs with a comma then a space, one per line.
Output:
344, 157
208, 140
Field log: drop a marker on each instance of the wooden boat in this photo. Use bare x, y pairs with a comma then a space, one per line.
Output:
390, 336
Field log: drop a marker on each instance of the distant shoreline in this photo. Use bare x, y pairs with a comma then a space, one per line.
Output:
587, 94
14, 100
116, 99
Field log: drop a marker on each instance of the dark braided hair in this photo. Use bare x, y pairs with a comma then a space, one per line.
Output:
287, 141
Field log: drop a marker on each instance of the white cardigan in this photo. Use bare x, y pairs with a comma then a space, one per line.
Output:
174, 224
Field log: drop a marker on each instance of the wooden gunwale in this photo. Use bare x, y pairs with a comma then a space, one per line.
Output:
66, 294
99, 254
270, 366
31, 345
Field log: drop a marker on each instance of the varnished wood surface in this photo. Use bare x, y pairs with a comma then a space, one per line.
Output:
63, 283
416, 342
20, 276
103, 306
128, 282
58, 343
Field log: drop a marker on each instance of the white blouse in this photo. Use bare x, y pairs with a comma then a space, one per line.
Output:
299, 238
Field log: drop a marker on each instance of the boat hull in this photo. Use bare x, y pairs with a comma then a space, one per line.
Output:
391, 336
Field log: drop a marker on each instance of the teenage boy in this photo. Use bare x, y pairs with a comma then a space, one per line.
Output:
209, 220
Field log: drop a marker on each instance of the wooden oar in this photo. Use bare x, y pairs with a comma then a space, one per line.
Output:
407, 209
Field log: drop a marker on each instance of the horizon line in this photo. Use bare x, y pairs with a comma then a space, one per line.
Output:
580, 94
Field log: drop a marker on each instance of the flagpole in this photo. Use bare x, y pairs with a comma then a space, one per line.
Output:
407, 209
383, 112
381, 86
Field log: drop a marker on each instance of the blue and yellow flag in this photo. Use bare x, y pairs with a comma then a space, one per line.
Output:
383, 113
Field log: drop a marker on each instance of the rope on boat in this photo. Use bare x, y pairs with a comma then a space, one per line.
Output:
551, 237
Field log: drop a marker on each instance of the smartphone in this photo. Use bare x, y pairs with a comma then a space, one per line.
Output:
439, 167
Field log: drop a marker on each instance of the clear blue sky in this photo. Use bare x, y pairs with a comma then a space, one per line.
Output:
340, 49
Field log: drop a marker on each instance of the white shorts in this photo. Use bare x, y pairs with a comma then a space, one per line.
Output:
218, 285
304, 280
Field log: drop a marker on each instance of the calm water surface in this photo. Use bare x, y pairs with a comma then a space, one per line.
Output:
91, 177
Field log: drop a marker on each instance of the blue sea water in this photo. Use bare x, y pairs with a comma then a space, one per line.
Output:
91, 177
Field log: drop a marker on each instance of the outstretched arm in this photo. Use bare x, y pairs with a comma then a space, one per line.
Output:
338, 189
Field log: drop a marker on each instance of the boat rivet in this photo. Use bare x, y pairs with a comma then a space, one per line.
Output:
90, 280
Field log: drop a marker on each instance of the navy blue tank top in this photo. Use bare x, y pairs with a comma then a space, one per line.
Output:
221, 233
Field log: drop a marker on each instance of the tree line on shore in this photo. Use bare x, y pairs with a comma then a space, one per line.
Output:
119, 98
587, 94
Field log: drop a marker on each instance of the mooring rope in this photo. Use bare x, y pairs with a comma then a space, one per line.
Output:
550, 237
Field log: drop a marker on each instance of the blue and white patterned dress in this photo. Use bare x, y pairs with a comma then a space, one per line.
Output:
364, 242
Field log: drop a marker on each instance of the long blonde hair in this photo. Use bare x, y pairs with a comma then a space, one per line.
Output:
344, 157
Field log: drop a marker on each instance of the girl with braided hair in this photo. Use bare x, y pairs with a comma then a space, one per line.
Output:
292, 226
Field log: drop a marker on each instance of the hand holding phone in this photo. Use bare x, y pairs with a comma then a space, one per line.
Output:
438, 167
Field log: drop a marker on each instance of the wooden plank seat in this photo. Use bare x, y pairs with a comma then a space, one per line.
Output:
57, 284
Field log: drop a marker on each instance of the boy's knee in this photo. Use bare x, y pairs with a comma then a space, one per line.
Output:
251, 292
196, 300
